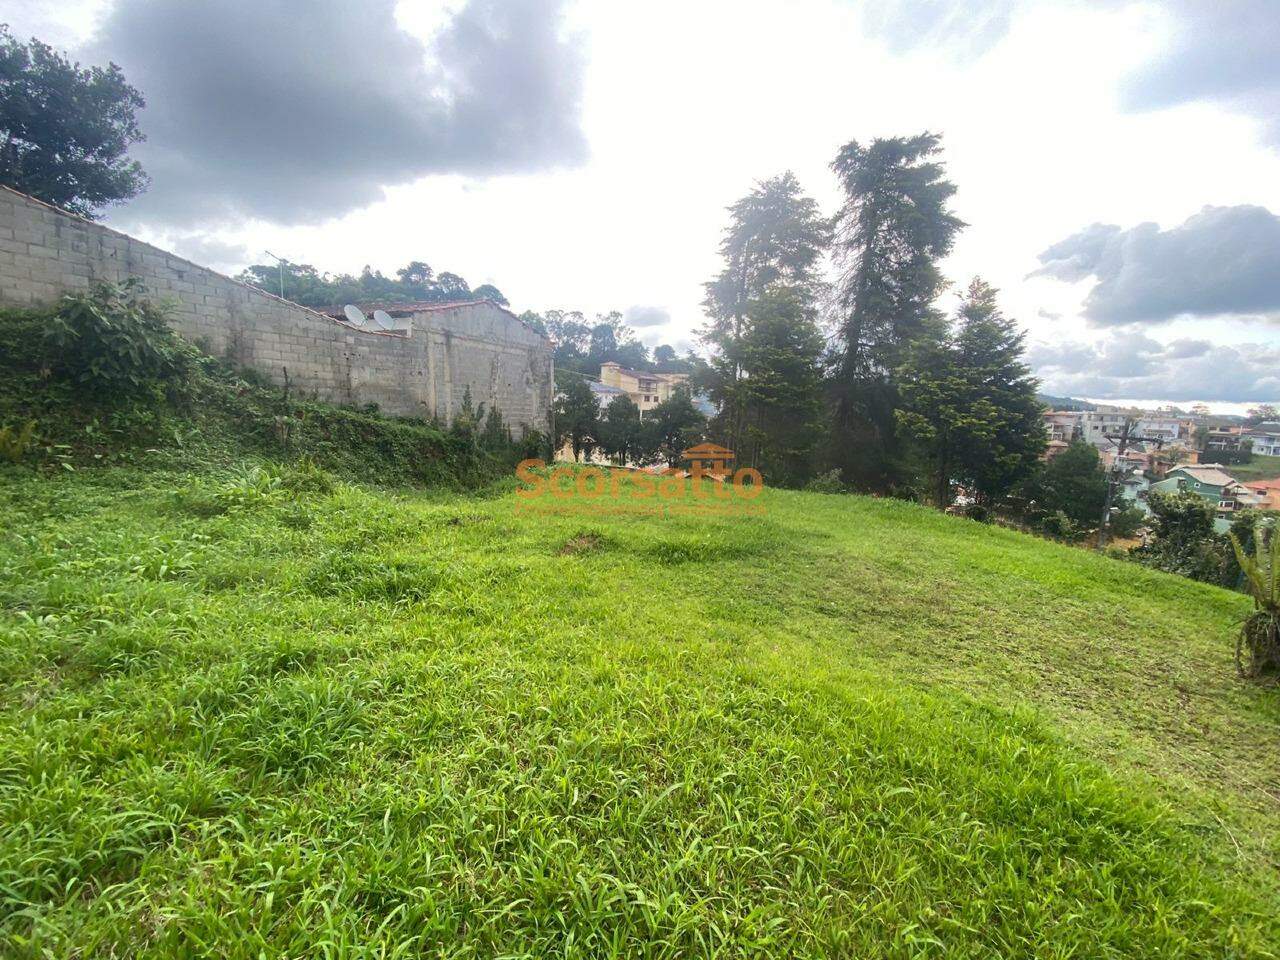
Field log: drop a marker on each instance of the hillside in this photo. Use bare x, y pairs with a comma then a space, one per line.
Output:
1258, 468
249, 714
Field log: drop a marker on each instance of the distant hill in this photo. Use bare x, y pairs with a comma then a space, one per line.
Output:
1066, 403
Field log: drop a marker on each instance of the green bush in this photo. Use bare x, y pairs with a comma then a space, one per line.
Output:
117, 344
15, 441
828, 482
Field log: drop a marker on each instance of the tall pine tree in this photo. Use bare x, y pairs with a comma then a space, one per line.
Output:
781, 355
968, 403
893, 228
776, 237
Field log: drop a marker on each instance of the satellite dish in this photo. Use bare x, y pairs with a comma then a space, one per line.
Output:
354, 315
383, 320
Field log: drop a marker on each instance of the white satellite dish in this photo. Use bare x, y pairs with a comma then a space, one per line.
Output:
383, 320
355, 316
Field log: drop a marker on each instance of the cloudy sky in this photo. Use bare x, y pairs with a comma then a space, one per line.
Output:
1118, 162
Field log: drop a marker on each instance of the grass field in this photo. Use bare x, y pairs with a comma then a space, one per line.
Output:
1259, 468
237, 721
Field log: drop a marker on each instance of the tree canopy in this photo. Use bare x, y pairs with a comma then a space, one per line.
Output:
415, 282
969, 402
893, 228
66, 130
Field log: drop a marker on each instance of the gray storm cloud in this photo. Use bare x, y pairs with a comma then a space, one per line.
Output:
299, 113
641, 317
1134, 366
1224, 261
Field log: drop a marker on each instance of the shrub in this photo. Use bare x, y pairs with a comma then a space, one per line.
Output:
828, 482
1183, 540
255, 486
14, 442
1125, 523
115, 343
307, 477
1258, 644
1059, 526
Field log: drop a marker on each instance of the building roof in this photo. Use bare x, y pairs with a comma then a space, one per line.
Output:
1211, 473
603, 389
708, 451
646, 374
1271, 483
402, 307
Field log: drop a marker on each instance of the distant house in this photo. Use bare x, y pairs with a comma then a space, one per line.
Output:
1224, 440
1163, 428
1063, 426
1265, 439
604, 393
1268, 490
1213, 483
1096, 425
646, 389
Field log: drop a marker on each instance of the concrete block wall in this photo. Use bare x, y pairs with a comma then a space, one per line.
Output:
45, 253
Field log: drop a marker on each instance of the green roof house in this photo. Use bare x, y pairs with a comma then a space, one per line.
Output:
1212, 483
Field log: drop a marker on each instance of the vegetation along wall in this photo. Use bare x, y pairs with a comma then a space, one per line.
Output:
423, 371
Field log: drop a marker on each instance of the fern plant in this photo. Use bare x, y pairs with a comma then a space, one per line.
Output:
1258, 645
14, 441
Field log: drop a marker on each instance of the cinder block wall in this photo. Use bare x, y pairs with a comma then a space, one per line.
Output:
45, 253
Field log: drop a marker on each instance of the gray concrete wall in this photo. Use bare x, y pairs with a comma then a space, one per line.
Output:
45, 253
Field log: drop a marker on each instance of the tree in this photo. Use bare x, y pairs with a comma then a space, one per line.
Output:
1183, 540
780, 390
576, 417
620, 429
775, 236
487, 291
1262, 413
674, 425
1073, 484
418, 276
893, 228
65, 130
969, 403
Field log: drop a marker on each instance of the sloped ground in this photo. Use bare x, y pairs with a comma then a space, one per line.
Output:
366, 723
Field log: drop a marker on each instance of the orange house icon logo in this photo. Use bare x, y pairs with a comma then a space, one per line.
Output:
709, 460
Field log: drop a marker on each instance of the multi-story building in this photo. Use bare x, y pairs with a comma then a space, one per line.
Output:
646, 389
1095, 425
1164, 428
1265, 439
1062, 426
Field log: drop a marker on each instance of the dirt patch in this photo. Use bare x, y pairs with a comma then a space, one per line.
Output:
582, 543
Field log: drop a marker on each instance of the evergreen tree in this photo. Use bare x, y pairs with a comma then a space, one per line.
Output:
620, 430
776, 236
577, 417
673, 426
893, 228
969, 403
781, 386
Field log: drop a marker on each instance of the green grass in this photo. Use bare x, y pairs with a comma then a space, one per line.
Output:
1259, 468
388, 723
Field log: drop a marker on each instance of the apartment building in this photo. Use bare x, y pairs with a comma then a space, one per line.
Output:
646, 389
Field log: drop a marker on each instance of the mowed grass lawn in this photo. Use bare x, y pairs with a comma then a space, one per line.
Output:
397, 724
